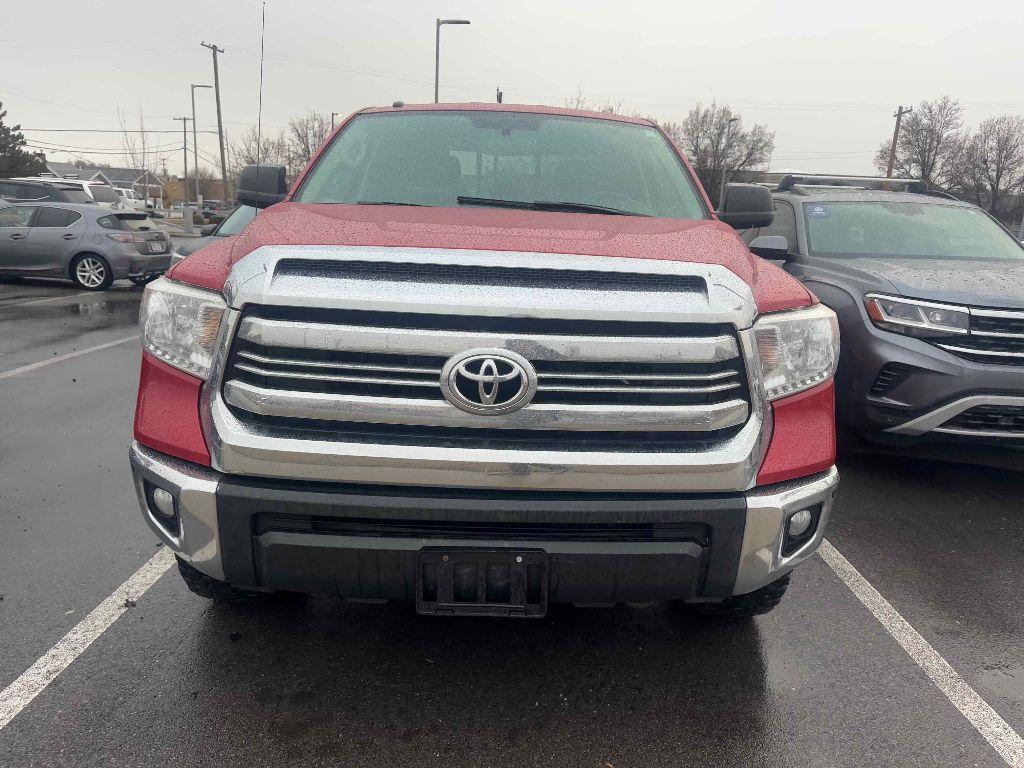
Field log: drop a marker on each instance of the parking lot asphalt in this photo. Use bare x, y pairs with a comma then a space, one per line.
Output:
178, 681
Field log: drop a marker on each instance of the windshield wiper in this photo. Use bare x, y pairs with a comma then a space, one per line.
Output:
391, 202
545, 205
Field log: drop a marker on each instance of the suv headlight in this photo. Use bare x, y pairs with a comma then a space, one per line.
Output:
916, 318
179, 324
798, 349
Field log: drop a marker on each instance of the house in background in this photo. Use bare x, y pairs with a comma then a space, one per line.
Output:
145, 183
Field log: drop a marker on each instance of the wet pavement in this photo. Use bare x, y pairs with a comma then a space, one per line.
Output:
304, 682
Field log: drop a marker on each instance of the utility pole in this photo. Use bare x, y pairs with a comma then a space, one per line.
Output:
184, 150
220, 122
898, 114
498, 94
195, 141
333, 115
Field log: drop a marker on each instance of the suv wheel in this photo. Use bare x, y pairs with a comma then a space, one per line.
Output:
747, 606
91, 272
214, 589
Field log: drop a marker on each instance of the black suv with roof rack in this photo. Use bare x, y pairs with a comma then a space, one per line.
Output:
929, 292
40, 191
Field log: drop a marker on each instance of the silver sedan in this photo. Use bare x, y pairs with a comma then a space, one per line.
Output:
87, 244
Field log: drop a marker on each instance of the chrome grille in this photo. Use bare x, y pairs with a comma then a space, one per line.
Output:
996, 336
289, 367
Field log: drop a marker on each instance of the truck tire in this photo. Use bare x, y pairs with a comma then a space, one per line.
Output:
213, 589
747, 606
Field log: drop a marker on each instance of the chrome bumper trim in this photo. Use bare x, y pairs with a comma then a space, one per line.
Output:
195, 487
761, 559
440, 413
933, 420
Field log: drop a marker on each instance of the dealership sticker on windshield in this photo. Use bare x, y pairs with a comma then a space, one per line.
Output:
819, 212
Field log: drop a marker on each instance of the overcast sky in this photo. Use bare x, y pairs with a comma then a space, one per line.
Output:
825, 76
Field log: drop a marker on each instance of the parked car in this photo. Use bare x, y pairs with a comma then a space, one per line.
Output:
42, 190
132, 199
211, 233
486, 358
97, 192
84, 243
930, 297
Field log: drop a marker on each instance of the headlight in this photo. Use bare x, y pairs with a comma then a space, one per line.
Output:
916, 318
179, 324
798, 349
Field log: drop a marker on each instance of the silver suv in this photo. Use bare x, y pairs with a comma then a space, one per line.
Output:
87, 244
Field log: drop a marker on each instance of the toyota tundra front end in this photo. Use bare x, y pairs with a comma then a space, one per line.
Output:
485, 358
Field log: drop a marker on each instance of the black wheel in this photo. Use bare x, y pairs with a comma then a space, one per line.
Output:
91, 272
747, 606
213, 589
144, 280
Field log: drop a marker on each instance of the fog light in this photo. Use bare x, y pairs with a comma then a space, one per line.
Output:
799, 522
163, 502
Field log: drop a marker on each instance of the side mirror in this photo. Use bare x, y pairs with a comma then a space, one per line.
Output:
769, 246
262, 185
207, 230
744, 206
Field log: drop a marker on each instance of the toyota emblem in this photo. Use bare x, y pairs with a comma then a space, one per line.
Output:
488, 381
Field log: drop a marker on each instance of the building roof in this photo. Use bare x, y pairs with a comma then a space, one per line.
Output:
62, 170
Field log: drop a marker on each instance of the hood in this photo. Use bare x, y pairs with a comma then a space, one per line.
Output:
974, 282
495, 229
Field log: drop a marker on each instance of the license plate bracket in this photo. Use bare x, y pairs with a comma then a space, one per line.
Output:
475, 582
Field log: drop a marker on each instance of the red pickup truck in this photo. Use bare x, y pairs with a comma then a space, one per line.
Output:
483, 358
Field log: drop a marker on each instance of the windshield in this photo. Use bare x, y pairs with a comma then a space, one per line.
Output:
904, 229
432, 158
104, 194
237, 221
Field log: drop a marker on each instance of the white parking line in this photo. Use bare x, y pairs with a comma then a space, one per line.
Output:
16, 696
43, 301
68, 356
997, 732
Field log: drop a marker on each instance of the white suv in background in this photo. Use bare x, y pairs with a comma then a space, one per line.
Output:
100, 193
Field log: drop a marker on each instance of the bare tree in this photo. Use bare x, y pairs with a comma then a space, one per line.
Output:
305, 135
931, 140
251, 148
580, 101
136, 143
990, 170
714, 139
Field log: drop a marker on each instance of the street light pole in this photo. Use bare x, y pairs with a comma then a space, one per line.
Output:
333, 115
725, 154
195, 141
437, 49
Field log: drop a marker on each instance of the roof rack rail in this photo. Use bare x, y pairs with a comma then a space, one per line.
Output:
790, 181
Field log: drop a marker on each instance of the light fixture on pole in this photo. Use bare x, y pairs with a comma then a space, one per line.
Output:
437, 49
195, 142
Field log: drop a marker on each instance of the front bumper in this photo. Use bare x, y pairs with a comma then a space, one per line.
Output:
362, 541
934, 386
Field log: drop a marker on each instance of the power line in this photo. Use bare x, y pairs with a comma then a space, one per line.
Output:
99, 130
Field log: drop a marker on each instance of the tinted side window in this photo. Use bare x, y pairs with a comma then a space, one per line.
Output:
16, 216
55, 217
7, 189
784, 224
